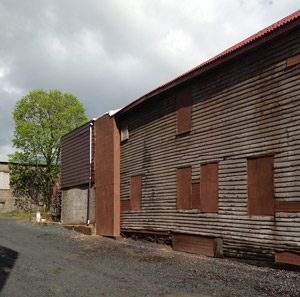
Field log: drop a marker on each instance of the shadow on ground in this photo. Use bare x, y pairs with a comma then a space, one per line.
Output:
8, 258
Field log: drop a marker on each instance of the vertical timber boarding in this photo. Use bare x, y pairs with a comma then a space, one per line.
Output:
184, 194
260, 186
135, 192
107, 177
244, 108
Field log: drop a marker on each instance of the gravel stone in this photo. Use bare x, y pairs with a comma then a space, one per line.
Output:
39, 260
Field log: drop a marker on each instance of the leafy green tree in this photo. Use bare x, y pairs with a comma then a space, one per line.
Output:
41, 119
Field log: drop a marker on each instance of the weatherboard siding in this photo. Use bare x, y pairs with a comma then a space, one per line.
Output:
75, 157
247, 107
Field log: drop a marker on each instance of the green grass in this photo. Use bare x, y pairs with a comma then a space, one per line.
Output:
15, 214
44, 214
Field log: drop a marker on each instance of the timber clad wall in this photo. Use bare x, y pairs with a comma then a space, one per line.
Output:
75, 157
107, 177
246, 107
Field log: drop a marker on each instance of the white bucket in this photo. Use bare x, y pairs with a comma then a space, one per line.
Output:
38, 216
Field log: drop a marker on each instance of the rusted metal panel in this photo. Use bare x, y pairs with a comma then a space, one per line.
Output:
287, 258
146, 232
184, 188
125, 205
260, 186
107, 177
195, 194
75, 157
209, 188
184, 110
293, 60
287, 206
136, 192
194, 244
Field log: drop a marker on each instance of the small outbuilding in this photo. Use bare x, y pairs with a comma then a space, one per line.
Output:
7, 200
77, 175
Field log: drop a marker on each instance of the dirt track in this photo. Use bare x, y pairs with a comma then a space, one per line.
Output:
37, 260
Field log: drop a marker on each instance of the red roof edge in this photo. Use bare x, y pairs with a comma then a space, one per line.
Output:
227, 52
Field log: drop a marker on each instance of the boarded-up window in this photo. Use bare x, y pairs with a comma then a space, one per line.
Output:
260, 186
184, 188
125, 205
4, 180
136, 192
209, 187
195, 194
184, 110
287, 206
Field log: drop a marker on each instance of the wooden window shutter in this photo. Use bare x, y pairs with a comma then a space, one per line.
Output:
184, 188
125, 205
260, 186
195, 194
184, 110
209, 188
136, 192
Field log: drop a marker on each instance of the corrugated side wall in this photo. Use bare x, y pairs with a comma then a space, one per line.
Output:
250, 106
75, 157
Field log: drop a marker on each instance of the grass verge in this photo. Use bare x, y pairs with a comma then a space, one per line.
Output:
15, 214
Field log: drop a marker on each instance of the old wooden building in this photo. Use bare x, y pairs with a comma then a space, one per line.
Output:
212, 157
77, 175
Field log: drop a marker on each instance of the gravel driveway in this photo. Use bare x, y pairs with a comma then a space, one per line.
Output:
37, 260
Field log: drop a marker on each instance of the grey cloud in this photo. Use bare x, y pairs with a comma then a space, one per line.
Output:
109, 53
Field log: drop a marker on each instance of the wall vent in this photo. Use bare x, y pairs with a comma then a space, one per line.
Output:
124, 133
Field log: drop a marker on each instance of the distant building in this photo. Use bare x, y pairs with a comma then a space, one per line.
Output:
7, 200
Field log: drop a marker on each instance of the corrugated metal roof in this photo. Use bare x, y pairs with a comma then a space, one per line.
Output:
249, 40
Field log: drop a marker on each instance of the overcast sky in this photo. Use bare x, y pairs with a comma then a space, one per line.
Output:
109, 53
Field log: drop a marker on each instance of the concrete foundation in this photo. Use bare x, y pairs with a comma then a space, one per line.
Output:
74, 205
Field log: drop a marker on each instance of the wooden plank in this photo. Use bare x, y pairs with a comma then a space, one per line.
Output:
194, 244
293, 60
287, 258
260, 186
136, 192
164, 233
287, 206
209, 188
184, 188
195, 194
107, 177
